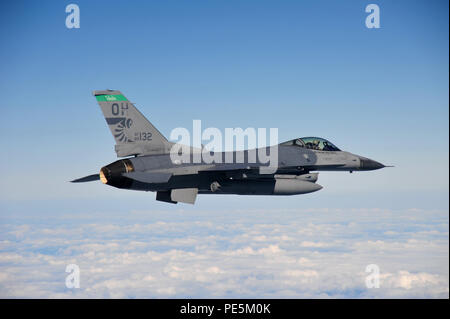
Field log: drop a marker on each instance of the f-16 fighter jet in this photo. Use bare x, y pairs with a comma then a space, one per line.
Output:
179, 173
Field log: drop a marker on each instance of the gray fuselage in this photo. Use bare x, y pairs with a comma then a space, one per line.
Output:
244, 175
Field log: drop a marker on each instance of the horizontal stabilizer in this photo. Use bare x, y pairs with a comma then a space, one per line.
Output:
149, 177
184, 195
164, 196
90, 178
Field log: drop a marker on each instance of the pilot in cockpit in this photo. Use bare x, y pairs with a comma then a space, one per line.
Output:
316, 144
313, 143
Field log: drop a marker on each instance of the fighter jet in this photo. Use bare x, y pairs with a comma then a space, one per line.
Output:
147, 164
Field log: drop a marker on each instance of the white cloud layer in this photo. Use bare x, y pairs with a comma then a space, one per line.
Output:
316, 253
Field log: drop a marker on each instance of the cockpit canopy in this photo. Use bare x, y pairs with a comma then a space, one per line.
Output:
313, 143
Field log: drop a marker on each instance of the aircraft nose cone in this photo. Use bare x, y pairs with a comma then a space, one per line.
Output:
368, 165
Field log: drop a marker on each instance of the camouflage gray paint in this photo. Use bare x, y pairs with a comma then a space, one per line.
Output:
151, 168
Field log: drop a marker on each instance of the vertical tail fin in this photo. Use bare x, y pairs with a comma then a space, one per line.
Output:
133, 133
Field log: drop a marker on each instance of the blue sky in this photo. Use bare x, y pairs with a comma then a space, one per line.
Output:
309, 68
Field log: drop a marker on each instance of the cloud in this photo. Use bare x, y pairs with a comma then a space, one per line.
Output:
268, 253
